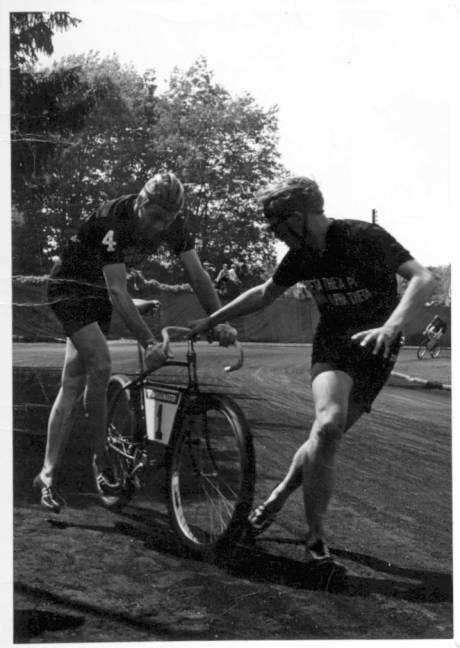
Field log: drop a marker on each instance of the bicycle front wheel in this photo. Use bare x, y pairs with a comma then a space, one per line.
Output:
211, 475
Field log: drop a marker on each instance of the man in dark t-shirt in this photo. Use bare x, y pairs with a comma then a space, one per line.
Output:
350, 269
89, 279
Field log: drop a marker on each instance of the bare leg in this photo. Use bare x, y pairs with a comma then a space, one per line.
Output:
290, 482
92, 347
313, 463
60, 420
331, 393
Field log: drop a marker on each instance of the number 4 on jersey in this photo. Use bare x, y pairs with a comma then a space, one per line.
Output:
109, 241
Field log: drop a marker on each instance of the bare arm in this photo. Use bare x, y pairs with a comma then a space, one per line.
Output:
115, 278
200, 281
418, 290
248, 302
207, 295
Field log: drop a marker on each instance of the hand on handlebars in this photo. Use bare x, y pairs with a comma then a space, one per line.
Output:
223, 333
155, 357
199, 326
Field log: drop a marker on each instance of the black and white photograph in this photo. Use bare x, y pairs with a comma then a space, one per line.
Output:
227, 272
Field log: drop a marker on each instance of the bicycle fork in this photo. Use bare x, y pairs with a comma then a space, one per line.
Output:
199, 446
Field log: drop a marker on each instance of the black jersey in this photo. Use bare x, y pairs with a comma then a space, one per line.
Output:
353, 280
437, 324
107, 237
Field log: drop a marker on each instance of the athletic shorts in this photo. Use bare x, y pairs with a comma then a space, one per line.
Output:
76, 305
369, 372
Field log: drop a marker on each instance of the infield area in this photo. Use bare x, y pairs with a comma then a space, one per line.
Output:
90, 575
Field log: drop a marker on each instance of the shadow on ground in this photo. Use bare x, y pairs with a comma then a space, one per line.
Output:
250, 562
409, 584
30, 623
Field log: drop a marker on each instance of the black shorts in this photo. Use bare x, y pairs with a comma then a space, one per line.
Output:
76, 305
369, 372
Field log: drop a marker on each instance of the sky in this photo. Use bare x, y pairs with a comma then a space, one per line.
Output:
365, 90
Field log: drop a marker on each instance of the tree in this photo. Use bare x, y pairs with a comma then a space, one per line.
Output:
40, 118
102, 158
223, 148
442, 291
32, 32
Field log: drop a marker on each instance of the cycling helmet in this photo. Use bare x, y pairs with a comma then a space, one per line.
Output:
165, 190
294, 193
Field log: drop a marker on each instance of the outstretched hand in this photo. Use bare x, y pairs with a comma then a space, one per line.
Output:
223, 333
378, 339
199, 326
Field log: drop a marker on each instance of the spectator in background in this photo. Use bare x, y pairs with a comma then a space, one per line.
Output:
222, 282
233, 277
210, 269
222, 277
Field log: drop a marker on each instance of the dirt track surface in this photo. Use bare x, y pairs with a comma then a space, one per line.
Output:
90, 575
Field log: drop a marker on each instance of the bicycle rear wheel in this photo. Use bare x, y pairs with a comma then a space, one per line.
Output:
435, 351
119, 442
211, 475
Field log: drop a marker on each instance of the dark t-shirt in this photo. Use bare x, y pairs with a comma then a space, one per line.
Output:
107, 237
438, 324
353, 281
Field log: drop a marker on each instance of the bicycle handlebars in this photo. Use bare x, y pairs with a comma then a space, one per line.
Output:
183, 329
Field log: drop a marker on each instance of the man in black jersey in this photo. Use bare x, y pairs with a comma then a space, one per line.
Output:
86, 282
350, 268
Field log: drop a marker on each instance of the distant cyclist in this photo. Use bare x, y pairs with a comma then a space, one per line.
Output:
87, 281
350, 268
435, 329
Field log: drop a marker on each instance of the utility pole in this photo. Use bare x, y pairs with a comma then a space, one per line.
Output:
374, 216
151, 86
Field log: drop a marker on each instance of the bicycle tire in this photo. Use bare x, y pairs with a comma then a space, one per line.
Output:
119, 434
421, 351
435, 351
210, 475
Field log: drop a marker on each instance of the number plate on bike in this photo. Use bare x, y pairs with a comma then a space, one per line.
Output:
160, 411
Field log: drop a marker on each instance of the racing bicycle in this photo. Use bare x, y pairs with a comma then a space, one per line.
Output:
429, 345
204, 442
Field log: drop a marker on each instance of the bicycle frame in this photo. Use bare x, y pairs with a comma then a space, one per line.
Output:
433, 342
160, 401
190, 361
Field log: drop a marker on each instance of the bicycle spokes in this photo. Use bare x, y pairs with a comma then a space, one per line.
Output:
207, 477
129, 459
